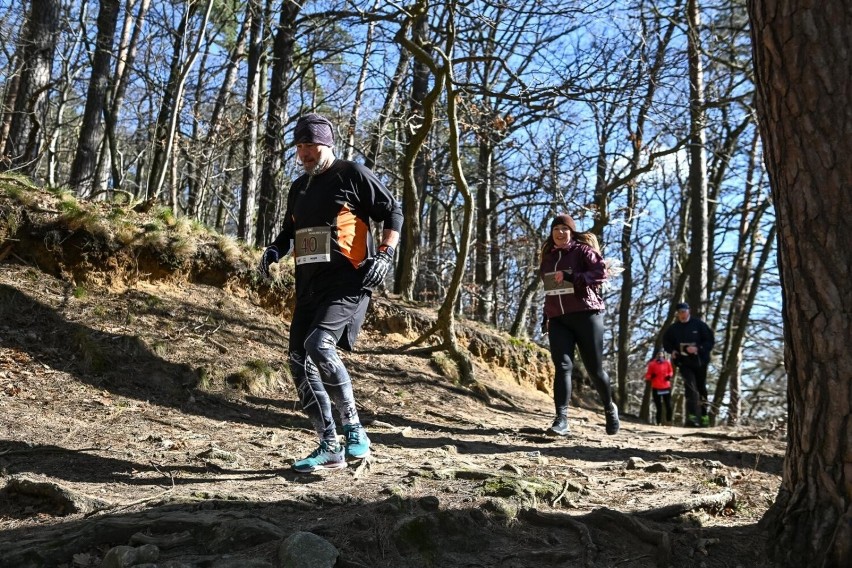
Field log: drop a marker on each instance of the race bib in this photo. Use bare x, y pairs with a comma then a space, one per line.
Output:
313, 244
552, 288
683, 347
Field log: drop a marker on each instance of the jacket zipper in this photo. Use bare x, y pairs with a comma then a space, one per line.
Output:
561, 307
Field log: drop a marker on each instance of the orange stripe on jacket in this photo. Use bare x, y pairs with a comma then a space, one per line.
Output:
352, 236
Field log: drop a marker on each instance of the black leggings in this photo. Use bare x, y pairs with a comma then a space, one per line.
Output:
663, 398
695, 385
321, 379
584, 330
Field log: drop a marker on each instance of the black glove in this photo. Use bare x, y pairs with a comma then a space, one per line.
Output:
270, 255
382, 263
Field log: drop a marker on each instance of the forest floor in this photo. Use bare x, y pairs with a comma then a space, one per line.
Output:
126, 418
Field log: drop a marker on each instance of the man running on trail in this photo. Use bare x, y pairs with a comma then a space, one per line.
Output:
327, 226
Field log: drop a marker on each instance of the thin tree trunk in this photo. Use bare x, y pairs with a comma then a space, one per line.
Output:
443, 73
656, 63
483, 274
167, 119
124, 62
744, 275
274, 138
10, 94
414, 167
386, 113
446, 318
349, 149
249, 181
81, 179
22, 148
698, 252
66, 86
519, 324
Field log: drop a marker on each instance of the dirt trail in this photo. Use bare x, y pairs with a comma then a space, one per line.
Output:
123, 421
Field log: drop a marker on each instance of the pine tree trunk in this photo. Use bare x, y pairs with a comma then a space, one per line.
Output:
804, 76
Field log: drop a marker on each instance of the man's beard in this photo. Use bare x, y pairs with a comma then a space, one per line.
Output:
322, 164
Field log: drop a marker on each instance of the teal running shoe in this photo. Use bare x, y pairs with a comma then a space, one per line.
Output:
326, 456
357, 442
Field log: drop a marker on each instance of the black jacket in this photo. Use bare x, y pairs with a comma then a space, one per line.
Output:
328, 221
693, 332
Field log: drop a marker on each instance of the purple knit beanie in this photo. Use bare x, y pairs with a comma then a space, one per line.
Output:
313, 129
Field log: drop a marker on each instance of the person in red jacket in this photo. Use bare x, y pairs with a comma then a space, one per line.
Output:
659, 374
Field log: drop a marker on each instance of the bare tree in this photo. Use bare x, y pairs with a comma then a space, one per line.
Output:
183, 59
420, 121
273, 140
804, 76
442, 70
251, 162
85, 160
22, 146
698, 244
110, 161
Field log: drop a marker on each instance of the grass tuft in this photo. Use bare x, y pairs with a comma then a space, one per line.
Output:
255, 377
230, 248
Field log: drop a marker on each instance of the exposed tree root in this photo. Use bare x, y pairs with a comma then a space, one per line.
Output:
607, 520
536, 517
713, 502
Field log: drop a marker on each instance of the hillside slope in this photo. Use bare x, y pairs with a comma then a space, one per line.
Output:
152, 407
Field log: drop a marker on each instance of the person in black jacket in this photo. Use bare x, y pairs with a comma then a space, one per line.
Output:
327, 226
690, 342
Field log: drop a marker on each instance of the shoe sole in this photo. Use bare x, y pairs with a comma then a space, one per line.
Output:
555, 433
335, 465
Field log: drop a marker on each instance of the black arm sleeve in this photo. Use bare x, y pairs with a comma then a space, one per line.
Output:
382, 205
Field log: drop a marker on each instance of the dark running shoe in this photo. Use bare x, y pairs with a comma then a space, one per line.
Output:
612, 422
559, 426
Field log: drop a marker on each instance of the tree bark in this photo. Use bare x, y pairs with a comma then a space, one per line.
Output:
483, 274
83, 168
110, 158
276, 119
250, 157
803, 72
697, 265
38, 44
414, 166
166, 126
